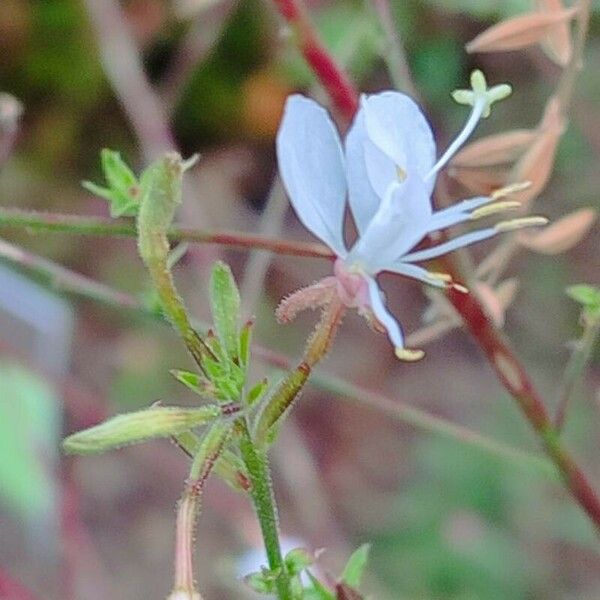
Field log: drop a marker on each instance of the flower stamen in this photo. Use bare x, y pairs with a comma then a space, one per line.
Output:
492, 209
520, 223
507, 190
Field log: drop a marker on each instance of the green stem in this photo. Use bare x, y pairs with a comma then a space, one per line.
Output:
264, 504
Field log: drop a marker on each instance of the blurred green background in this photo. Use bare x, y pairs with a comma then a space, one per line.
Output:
446, 521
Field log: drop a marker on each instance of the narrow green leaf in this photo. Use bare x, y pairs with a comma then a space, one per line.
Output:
194, 381
98, 190
257, 391
211, 447
232, 470
280, 402
123, 192
225, 307
355, 566
116, 171
318, 590
245, 341
135, 427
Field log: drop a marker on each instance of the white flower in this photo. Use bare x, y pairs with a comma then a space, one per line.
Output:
387, 170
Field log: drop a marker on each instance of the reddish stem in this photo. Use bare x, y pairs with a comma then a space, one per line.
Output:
513, 376
333, 78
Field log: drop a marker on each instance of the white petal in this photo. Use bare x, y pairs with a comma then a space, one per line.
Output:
458, 242
364, 200
400, 222
383, 315
396, 125
311, 163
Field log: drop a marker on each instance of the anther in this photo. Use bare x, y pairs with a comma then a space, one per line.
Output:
408, 355
513, 188
496, 207
515, 224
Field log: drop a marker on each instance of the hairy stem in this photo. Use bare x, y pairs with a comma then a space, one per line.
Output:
156, 213
263, 498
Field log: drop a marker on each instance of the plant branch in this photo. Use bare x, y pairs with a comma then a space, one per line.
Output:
68, 281
566, 84
336, 82
577, 362
393, 51
63, 279
125, 71
38, 222
256, 462
515, 379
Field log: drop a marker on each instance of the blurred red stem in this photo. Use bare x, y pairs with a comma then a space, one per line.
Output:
11, 589
333, 78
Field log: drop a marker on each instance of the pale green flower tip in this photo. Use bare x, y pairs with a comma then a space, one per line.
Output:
479, 92
463, 97
478, 82
499, 92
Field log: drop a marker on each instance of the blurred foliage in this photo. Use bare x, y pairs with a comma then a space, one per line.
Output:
464, 526
461, 534
211, 104
29, 431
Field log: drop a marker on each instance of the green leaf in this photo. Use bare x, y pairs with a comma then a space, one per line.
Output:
225, 307
123, 192
317, 591
262, 582
232, 470
587, 295
257, 391
194, 381
139, 426
117, 172
245, 340
355, 566
297, 560
29, 431
98, 190
211, 447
